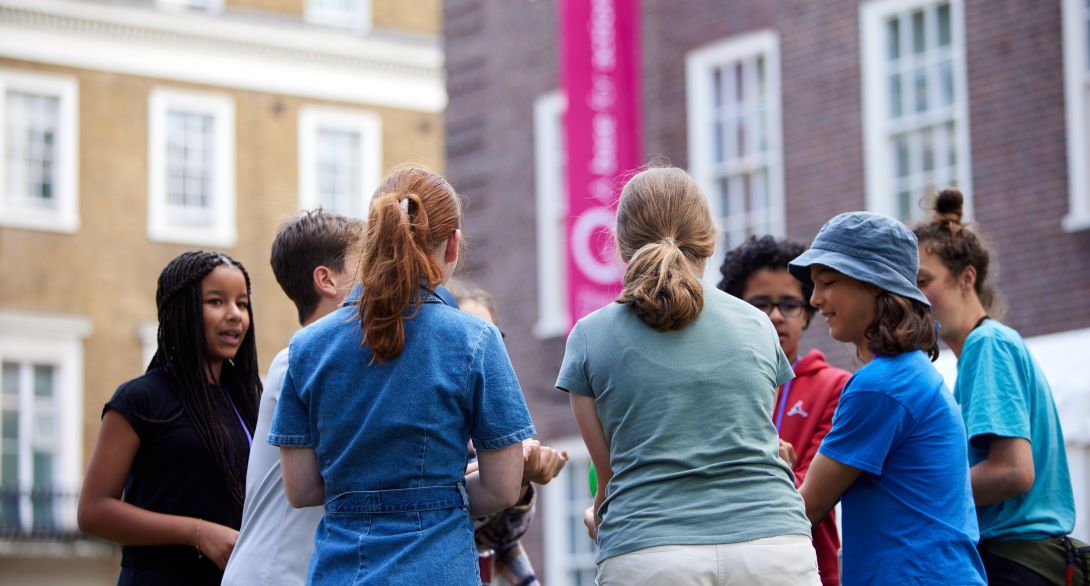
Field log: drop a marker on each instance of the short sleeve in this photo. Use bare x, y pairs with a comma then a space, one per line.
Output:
573, 376
291, 420
499, 416
134, 402
866, 427
993, 391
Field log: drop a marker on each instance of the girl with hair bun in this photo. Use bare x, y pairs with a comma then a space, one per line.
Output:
1020, 479
672, 388
166, 478
381, 397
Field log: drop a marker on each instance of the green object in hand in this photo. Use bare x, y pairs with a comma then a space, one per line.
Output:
592, 478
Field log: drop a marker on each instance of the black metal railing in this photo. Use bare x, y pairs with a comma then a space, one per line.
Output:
42, 513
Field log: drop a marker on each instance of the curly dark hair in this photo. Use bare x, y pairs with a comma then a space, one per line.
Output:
764, 252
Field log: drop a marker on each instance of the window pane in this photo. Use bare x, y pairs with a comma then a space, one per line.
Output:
11, 378
895, 96
944, 24
43, 380
893, 38
919, 85
32, 122
10, 427
946, 82
900, 156
928, 148
919, 33
338, 171
189, 162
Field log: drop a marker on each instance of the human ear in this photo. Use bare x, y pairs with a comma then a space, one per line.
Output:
968, 278
453, 245
322, 279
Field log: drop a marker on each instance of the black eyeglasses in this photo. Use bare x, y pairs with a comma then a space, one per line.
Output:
789, 306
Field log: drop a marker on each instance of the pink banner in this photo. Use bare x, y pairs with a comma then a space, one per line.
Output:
600, 70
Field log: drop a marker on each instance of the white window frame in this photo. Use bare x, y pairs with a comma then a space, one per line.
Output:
208, 6
556, 509
367, 124
1077, 104
357, 20
550, 201
699, 67
65, 216
222, 231
56, 340
880, 195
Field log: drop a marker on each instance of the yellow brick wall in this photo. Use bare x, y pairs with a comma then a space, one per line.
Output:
107, 270
294, 7
416, 16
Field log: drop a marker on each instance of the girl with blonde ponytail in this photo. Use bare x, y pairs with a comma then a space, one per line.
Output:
381, 397
672, 388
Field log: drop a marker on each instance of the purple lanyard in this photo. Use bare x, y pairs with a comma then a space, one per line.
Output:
783, 400
246, 430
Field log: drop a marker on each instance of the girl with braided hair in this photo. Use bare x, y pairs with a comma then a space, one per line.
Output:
166, 478
381, 397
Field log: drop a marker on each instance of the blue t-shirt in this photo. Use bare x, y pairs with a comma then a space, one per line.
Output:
909, 517
1002, 392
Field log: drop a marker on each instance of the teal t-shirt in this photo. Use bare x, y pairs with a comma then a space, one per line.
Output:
688, 418
1002, 392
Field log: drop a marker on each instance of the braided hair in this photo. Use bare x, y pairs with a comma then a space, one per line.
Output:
182, 354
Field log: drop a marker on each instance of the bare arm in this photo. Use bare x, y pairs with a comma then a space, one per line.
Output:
1007, 472
826, 480
303, 482
590, 427
497, 483
102, 513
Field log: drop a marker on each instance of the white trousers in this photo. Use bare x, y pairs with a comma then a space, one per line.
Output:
785, 560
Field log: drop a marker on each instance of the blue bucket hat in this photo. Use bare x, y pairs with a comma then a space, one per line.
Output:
867, 247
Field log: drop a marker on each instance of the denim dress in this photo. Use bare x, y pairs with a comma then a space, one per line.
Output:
391, 440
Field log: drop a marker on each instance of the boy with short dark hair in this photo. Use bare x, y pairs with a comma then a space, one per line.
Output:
314, 258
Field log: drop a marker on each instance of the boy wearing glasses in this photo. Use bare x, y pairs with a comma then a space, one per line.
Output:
756, 272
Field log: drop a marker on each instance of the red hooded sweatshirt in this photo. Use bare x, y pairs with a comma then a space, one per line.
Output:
807, 415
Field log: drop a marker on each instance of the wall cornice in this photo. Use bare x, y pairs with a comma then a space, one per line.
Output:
212, 50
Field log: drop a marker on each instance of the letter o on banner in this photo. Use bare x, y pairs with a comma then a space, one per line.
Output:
601, 271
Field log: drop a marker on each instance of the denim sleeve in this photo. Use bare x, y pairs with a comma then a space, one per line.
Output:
866, 426
993, 390
499, 417
291, 421
573, 376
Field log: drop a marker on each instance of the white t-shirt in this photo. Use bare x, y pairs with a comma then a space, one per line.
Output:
276, 540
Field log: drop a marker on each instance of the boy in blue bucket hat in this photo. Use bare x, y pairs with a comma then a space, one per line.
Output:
896, 454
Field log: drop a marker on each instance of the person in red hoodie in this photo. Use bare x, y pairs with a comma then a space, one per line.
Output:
756, 272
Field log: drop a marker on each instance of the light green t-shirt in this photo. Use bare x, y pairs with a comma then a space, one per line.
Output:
688, 418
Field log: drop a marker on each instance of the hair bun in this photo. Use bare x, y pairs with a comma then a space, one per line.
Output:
949, 204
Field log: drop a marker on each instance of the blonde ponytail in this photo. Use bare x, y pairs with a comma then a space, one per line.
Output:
664, 229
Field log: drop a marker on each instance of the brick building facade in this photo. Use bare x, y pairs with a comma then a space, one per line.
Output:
854, 105
277, 105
